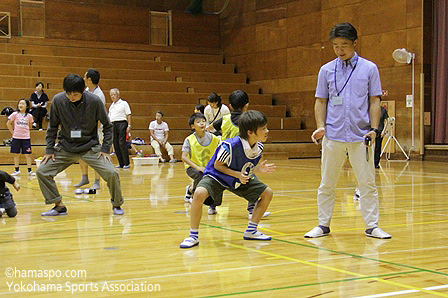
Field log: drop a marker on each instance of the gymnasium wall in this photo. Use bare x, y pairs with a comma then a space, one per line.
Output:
119, 21
281, 45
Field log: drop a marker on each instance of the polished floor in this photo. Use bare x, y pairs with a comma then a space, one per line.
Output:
91, 252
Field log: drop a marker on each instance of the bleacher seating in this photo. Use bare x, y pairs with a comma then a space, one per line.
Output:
150, 78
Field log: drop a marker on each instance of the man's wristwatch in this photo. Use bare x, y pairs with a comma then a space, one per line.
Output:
375, 130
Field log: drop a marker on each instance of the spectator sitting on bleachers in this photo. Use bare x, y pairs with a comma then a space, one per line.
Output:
39, 101
158, 130
214, 111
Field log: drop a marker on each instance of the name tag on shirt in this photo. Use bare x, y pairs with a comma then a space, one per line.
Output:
336, 100
75, 134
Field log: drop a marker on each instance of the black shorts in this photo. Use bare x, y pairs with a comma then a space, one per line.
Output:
23, 145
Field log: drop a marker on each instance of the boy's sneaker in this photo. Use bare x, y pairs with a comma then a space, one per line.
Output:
118, 211
318, 231
31, 173
15, 173
126, 166
188, 194
257, 235
57, 210
212, 210
266, 214
377, 233
357, 195
189, 242
173, 160
162, 160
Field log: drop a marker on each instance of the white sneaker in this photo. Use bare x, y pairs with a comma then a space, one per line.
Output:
266, 214
378, 233
315, 233
212, 210
187, 198
357, 195
16, 173
31, 173
257, 235
189, 242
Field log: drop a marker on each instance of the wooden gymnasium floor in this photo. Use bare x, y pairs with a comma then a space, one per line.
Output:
138, 254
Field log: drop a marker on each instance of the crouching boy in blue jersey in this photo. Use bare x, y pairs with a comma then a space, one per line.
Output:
232, 167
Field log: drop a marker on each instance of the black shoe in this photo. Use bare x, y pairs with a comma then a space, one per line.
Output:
377, 166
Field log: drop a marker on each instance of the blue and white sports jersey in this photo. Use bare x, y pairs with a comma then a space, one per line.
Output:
231, 152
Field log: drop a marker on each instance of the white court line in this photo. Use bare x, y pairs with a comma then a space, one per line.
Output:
390, 294
404, 292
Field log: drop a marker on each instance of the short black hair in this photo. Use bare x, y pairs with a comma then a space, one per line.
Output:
94, 75
200, 108
251, 120
214, 97
238, 99
344, 30
74, 83
194, 117
160, 112
39, 83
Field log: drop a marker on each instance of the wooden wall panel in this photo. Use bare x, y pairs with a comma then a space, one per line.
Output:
301, 7
270, 36
195, 30
304, 60
271, 14
379, 16
383, 26
332, 16
304, 29
327, 4
12, 6
270, 65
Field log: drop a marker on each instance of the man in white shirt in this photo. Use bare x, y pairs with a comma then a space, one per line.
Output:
120, 116
92, 78
158, 130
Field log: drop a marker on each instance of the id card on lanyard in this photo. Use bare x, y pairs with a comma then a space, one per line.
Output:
75, 131
338, 100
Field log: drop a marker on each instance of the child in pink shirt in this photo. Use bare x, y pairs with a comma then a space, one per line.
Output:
19, 124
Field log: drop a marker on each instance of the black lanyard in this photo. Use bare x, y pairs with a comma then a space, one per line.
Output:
335, 85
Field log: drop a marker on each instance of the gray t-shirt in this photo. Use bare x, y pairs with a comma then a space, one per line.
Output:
204, 141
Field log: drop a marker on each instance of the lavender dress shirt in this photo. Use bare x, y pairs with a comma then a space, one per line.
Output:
349, 121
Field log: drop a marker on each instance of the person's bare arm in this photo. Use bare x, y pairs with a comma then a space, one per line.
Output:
10, 126
320, 113
223, 168
375, 115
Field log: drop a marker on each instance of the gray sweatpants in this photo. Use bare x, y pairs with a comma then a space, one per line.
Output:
63, 159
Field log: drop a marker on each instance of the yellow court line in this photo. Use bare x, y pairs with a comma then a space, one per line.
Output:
271, 231
397, 284
292, 209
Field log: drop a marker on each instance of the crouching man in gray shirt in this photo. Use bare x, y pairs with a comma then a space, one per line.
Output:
77, 113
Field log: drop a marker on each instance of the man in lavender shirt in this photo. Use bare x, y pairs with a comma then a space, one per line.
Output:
347, 111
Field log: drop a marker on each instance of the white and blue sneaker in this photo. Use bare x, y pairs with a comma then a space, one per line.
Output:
189, 242
257, 235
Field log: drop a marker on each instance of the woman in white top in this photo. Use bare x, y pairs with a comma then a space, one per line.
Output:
215, 110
